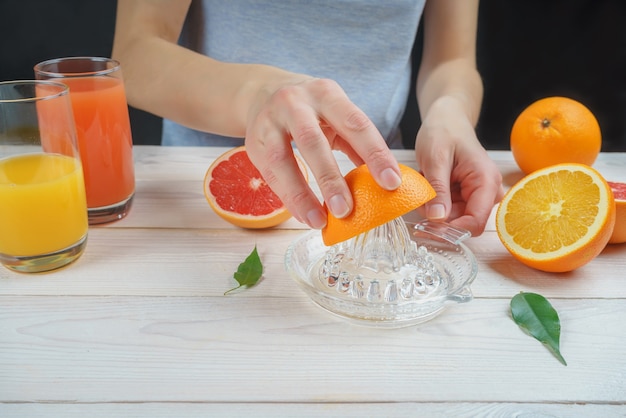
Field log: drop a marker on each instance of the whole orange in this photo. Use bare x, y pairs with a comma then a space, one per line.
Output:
558, 218
555, 130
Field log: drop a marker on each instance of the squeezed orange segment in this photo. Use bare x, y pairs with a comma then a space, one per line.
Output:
375, 206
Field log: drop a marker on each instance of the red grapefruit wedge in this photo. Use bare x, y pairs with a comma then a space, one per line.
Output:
619, 231
237, 192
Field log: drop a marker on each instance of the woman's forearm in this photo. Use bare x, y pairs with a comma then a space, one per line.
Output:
176, 83
454, 80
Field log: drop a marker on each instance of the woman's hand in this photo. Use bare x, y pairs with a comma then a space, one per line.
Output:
318, 117
467, 181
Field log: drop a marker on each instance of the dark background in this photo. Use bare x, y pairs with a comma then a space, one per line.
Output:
35, 30
526, 50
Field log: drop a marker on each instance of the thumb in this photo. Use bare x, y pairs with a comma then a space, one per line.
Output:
438, 209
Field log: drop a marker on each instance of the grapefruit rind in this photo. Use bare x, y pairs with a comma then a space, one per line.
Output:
619, 230
569, 254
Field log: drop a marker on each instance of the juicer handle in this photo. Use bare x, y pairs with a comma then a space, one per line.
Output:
443, 231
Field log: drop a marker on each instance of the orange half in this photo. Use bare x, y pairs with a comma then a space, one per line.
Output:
558, 218
375, 206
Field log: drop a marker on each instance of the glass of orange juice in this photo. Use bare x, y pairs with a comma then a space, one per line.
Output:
43, 208
103, 128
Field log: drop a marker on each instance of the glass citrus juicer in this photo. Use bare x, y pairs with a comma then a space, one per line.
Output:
397, 274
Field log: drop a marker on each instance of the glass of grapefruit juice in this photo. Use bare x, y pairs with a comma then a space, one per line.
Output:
103, 127
43, 214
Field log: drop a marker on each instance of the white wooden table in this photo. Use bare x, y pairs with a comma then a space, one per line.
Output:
139, 326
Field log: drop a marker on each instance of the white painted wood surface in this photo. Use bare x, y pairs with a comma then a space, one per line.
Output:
139, 326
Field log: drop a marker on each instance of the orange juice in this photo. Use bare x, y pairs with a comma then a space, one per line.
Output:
104, 138
43, 206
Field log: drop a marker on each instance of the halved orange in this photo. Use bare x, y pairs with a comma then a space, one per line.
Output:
375, 206
558, 218
237, 192
619, 231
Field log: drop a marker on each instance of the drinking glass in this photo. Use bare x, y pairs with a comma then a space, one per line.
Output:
103, 128
43, 209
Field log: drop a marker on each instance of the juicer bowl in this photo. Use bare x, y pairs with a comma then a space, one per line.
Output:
376, 299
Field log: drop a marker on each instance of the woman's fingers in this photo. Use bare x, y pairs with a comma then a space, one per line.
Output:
318, 117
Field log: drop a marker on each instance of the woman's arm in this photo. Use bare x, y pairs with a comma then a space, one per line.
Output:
449, 91
448, 67
268, 106
176, 83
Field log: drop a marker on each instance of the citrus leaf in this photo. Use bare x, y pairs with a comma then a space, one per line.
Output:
249, 272
535, 315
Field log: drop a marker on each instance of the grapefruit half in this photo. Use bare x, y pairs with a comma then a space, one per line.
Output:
619, 231
237, 192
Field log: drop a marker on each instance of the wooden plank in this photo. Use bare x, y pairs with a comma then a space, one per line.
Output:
307, 410
140, 325
203, 261
169, 191
231, 349
191, 163
181, 262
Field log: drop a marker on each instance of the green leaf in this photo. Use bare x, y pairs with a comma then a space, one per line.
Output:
535, 315
249, 272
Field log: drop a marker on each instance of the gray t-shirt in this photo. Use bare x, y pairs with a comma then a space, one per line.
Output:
364, 45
